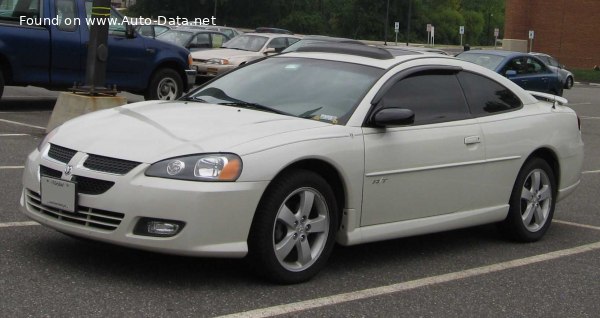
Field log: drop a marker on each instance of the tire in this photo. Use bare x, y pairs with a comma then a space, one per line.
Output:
166, 84
569, 82
532, 202
303, 230
1, 84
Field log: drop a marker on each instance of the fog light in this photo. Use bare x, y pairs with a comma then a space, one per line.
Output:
158, 227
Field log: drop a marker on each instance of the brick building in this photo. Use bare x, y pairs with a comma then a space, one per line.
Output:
566, 29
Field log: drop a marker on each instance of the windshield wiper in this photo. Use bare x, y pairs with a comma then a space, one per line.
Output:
255, 106
309, 113
194, 99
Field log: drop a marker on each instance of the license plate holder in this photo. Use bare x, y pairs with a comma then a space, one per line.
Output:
58, 193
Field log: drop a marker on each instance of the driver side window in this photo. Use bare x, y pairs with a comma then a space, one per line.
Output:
433, 97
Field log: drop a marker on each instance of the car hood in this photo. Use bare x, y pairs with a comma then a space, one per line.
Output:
223, 54
152, 131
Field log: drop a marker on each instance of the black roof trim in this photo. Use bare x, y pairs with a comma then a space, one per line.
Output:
349, 49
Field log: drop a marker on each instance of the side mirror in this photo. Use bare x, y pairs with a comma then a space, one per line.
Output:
393, 117
270, 50
129, 31
511, 73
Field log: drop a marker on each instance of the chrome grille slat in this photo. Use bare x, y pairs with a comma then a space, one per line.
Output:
84, 216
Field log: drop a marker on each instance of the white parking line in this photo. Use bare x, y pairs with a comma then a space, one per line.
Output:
577, 104
11, 167
15, 224
395, 288
589, 117
14, 135
585, 226
591, 171
21, 124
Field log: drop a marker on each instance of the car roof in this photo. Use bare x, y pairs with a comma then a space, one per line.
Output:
272, 35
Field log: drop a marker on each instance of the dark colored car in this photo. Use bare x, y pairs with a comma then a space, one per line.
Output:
272, 30
565, 75
313, 39
524, 69
193, 39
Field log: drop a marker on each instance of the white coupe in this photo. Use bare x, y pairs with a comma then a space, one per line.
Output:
280, 159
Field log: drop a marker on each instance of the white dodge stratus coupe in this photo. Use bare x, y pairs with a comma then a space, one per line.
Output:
281, 158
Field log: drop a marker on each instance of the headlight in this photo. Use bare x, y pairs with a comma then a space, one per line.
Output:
46, 139
218, 61
204, 167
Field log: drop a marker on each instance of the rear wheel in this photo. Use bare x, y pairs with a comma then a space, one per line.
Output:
294, 228
569, 82
166, 84
532, 202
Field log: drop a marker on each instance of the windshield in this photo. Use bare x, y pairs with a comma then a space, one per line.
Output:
321, 90
180, 38
489, 61
247, 43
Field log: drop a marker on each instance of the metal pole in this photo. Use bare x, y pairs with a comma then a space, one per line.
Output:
387, 20
95, 71
215, 14
461, 40
408, 21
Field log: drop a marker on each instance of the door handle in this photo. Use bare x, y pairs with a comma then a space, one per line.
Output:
471, 140
151, 50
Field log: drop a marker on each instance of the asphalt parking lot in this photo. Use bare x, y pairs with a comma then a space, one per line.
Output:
466, 273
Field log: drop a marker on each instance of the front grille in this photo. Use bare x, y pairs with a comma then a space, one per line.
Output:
61, 154
91, 186
85, 185
84, 216
49, 172
109, 165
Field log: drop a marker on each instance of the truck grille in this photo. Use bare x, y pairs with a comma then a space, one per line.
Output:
61, 154
84, 216
109, 165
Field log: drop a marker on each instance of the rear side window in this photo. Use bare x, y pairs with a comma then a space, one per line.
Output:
13, 10
66, 12
434, 98
487, 97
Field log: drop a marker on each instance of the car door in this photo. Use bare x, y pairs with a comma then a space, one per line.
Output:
66, 44
429, 168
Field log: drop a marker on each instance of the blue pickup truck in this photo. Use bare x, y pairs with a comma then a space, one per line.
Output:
44, 43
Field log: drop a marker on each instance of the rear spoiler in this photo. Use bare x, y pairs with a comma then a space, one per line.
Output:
549, 98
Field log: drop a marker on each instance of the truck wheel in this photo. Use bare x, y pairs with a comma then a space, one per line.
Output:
1, 84
166, 84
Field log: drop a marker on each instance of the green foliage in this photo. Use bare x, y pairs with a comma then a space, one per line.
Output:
363, 19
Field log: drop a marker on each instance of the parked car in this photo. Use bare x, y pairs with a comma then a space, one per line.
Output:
54, 55
314, 39
272, 30
279, 159
239, 51
151, 30
402, 50
194, 40
566, 76
230, 32
524, 69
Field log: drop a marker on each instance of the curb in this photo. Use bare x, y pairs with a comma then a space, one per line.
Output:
588, 84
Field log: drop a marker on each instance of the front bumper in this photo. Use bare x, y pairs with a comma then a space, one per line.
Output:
217, 215
190, 76
212, 70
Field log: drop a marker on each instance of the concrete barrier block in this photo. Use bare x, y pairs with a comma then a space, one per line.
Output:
69, 106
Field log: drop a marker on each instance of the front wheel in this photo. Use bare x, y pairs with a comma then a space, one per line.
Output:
294, 228
166, 84
532, 202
